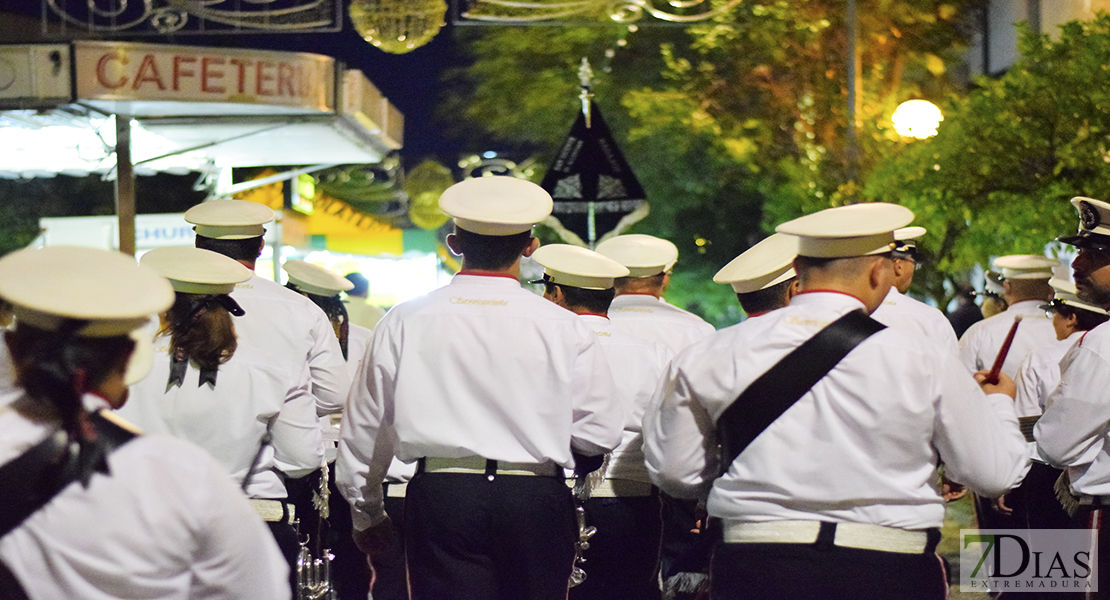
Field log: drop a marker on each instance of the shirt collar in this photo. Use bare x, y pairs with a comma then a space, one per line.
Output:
826, 298
483, 278
1026, 307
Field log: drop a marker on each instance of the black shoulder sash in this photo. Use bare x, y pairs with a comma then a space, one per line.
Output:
769, 396
31, 480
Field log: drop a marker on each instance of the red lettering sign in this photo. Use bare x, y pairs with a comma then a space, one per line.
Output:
148, 71
207, 72
260, 78
179, 71
102, 67
242, 65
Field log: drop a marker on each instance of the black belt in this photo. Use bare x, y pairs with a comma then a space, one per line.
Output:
476, 465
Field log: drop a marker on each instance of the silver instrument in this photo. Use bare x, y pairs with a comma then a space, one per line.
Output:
581, 491
585, 532
314, 574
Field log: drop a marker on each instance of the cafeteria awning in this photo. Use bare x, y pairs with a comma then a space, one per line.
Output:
119, 108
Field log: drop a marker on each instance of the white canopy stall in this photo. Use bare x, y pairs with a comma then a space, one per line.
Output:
120, 108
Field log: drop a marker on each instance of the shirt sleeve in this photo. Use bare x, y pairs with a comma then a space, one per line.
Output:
969, 349
976, 435
1073, 429
598, 413
367, 441
1027, 402
328, 370
678, 433
298, 443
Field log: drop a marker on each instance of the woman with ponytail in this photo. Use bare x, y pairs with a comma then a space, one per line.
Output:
251, 410
88, 508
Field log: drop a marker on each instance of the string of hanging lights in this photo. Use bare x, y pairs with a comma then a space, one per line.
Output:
621, 11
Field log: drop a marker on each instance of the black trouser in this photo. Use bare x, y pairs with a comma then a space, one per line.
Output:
623, 559
778, 571
286, 537
390, 574
349, 572
686, 547
478, 537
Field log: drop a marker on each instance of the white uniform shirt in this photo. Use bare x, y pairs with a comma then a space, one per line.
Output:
478, 367
652, 318
862, 446
363, 313
981, 342
286, 323
167, 524
899, 310
254, 392
1039, 374
1073, 431
637, 364
358, 346
358, 341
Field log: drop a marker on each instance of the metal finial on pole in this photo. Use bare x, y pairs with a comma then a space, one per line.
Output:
585, 75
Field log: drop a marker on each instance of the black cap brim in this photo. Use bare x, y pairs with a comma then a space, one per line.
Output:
1094, 241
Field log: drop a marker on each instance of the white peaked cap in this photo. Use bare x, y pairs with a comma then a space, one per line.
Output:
848, 231
229, 219
578, 267
109, 289
1025, 266
1094, 222
196, 271
1066, 293
768, 263
116, 295
312, 279
908, 234
496, 205
644, 255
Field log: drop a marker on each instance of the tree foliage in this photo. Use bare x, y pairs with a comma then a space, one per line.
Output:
997, 177
732, 125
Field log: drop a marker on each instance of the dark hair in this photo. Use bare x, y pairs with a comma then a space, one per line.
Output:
45, 362
1085, 320
202, 329
248, 249
361, 283
766, 299
595, 301
335, 310
491, 252
649, 283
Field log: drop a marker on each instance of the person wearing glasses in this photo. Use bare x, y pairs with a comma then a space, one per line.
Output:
900, 310
1072, 432
1034, 504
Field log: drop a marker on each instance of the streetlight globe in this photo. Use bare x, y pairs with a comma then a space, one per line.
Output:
917, 119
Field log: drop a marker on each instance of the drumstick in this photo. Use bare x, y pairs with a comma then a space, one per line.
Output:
992, 377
